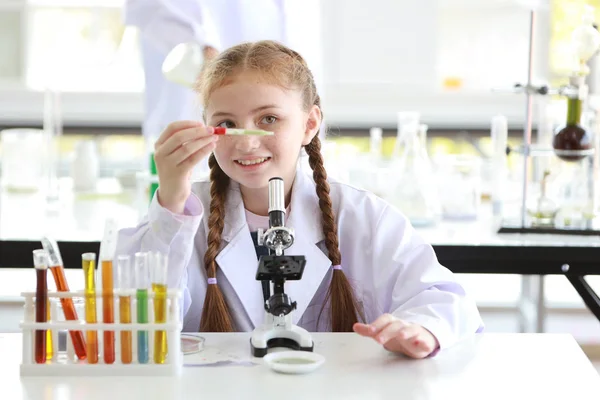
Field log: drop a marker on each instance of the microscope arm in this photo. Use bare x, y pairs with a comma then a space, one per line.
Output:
266, 288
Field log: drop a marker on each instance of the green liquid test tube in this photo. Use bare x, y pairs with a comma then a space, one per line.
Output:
142, 283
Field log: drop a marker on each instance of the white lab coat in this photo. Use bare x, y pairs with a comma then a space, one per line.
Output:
218, 23
389, 265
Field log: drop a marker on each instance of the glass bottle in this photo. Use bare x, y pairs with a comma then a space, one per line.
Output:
414, 190
573, 137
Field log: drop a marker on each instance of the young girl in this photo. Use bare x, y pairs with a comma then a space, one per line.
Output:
367, 269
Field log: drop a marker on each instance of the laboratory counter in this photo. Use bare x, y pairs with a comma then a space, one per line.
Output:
488, 366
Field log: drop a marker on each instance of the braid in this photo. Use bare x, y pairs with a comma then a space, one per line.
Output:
344, 308
215, 313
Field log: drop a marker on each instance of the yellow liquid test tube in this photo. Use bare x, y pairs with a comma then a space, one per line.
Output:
49, 346
88, 263
158, 273
126, 290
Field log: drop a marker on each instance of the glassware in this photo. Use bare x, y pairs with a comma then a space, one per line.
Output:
414, 190
459, 182
543, 209
23, 155
573, 138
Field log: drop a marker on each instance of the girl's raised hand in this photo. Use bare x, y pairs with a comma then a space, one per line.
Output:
179, 148
399, 336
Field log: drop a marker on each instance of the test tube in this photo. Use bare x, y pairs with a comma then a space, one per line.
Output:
107, 251
49, 342
126, 288
141, 283
40, 262
108, 312
58, 272
88, 262
158, 269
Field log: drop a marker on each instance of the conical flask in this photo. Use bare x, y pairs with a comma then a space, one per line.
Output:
414, 190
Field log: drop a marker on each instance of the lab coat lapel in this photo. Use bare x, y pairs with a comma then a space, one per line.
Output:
305, 219
237, 259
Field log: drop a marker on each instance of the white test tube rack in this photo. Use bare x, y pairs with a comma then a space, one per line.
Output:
70, 365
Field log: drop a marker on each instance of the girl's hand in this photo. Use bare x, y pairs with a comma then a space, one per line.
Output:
179, 148
399, 336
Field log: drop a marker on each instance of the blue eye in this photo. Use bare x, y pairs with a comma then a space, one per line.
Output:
226, 124
269, 119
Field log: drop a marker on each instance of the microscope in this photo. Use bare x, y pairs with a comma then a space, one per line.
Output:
277, 329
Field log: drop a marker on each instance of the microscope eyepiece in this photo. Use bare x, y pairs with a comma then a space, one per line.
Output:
276, 202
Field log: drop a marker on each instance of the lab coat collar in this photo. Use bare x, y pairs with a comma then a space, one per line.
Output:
238, 260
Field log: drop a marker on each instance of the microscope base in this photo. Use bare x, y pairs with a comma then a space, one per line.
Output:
268, 337
278, 342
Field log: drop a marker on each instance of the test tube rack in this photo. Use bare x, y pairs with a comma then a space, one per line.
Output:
68, 364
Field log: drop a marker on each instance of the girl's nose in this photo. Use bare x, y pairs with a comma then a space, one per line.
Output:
247, 143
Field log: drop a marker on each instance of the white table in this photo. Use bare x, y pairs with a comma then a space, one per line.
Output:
490, 366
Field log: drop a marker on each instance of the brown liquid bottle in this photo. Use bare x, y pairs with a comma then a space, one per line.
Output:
573, 136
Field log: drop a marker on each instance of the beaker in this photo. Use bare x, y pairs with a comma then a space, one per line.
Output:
23, 159
459, 180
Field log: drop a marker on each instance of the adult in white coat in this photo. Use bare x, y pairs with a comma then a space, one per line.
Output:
411, 303
213, 24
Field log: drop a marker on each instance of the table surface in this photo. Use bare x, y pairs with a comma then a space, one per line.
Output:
490, 366
79, 217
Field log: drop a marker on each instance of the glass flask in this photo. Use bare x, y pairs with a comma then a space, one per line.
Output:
414, 190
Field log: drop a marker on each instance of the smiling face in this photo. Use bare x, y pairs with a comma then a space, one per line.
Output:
248, 101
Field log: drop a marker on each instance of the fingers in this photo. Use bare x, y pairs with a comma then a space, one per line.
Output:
381, 322
364, 329
180, 138
374, 327
409, 348
203, 146
398, 330
198, 156
174, 127
413, 341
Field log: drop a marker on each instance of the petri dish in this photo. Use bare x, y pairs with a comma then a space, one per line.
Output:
191, 344
294, 362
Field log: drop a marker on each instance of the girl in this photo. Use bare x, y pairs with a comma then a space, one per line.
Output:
367, 269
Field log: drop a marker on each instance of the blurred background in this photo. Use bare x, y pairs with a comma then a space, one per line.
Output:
410, 89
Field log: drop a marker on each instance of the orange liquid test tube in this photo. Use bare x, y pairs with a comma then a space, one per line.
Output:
107, 252
40, 263
58, 272
126, 290
108, 311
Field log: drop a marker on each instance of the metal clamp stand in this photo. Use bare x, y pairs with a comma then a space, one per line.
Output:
527, 150
578, 282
